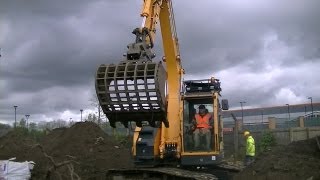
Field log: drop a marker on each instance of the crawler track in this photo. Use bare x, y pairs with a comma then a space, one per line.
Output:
158, 174
221, 172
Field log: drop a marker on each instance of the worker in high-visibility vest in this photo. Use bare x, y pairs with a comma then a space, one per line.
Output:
250, 148
202, 124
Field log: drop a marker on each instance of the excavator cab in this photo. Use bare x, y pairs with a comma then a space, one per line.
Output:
197, 139
202, 144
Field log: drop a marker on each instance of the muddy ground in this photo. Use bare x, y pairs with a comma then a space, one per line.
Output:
83, 149
298, 161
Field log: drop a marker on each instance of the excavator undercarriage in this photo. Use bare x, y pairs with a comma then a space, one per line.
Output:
158, 174
223, 172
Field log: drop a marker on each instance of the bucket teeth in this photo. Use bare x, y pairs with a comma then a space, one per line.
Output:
132, 91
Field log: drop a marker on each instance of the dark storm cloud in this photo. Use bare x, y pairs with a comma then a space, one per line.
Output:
260, 49
61, 51
242, 41
227, 34
51, 51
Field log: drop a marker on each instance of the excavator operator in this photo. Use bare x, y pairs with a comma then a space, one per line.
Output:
203, 123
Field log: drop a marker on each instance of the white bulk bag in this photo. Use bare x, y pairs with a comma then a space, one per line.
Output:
10, 170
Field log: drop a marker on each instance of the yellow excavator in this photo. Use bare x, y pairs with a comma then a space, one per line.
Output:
153, 95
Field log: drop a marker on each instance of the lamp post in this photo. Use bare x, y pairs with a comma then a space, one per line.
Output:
27, 117
311, 106
15, 116
288, 110
305, 110
242, 102
262, 116
81, 113
99, 114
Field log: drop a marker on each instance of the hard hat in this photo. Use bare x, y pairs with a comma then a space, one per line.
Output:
246, 133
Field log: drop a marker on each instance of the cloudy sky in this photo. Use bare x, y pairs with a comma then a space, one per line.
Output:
265, 52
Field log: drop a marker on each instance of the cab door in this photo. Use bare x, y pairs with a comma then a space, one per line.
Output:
208, 151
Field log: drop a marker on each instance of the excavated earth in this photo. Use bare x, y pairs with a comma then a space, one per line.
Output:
299, 160
83, 150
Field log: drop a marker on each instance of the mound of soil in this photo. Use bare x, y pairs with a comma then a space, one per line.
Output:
299, 160
15, 144
89, 150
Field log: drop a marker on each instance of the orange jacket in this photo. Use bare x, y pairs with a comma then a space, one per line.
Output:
203, 122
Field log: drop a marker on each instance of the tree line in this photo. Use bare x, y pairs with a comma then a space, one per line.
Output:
58, 123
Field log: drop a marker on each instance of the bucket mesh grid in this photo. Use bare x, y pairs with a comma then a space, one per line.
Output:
132, 88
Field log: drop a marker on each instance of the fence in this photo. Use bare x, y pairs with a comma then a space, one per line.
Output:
283, 136
274, 123
283, 130
312, 121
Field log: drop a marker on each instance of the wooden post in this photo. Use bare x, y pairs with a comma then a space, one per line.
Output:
114, 131
272, 122
240, 125
236, 137
291, 134
301, 121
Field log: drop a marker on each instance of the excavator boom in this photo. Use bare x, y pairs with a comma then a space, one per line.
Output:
134, 89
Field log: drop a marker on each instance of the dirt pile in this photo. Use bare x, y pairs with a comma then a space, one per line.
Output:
15, 144
83, 148
299, 160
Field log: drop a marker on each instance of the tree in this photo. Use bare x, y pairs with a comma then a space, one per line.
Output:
4, 128
92, 118
32, 126
95, 103
89, 118
15, 124
23, 123
42, 125
71, 123
58, 123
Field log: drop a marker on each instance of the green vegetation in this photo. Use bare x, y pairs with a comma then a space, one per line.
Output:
32, 132
266, 142
124, 140
4, 126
